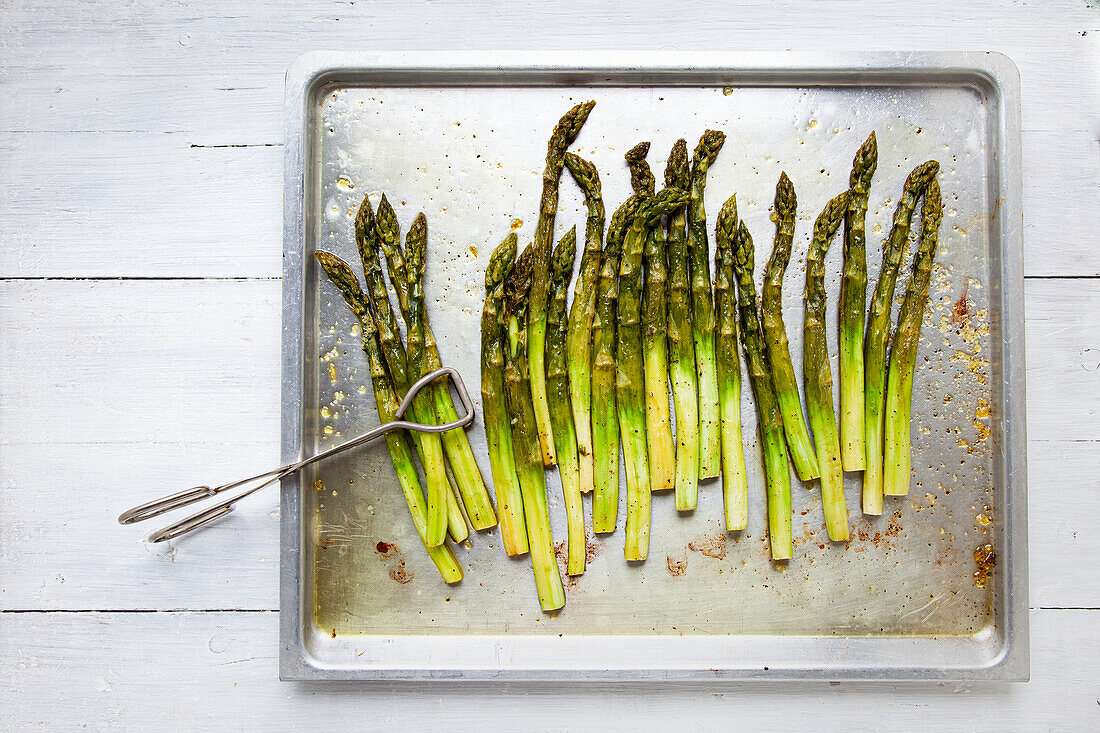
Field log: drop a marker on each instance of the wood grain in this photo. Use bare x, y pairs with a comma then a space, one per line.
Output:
143, 140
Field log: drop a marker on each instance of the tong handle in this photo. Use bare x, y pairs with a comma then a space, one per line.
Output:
190, 496
157, 507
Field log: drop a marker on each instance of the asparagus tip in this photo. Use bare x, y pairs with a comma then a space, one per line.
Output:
785, 199
676, 171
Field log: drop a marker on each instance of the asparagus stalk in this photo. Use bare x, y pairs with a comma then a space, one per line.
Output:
471, 485
710, 456
735, 480
578, 340
817, 375
903, 347
853, 306
525, 438
397, 441
369, 238
681, 346
605, 424
775, 334
662, 453
878, 331
769, 419
630, 381
662, 463
498, 427
564, 133
561, 415
429, 444
455, 443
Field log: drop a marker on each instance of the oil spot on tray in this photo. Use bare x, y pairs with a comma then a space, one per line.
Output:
985, 558
676, 565
713, 544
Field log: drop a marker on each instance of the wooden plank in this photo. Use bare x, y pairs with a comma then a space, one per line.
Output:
215, 77
207, 670
113, 393
144, 204
122, 391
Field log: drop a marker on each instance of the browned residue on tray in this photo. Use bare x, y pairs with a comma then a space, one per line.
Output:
713, 544
676, 566
963, 309
397, 571
985, 558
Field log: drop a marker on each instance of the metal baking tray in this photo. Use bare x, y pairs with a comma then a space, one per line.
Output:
463, 139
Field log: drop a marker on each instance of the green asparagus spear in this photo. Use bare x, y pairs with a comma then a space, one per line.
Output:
630, 381
775, 334
475, 496
878, 331
735, 480
903, 347
662, 459
681, 346
397, 442
817, 375
498, 427
710, 455
525, 438
769, 419
605, 421
564, 133
578, 340
429, 444
662, 453
561, 415
853, 306
457, 444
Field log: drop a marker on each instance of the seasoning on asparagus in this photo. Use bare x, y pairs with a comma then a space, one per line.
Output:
430, 445
605, 420
662, 458
373, 235
853, 306
631, 373
525, 438
777, 475
564, 133
681, 346
903, 348
817, 375
641, 176
710, 458
735, 480
878, 332
775, 334
475, 496
557, 389
662, 453
498, 427
578, 340
386, 402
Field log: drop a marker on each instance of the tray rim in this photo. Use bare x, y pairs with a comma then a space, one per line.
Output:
995, 73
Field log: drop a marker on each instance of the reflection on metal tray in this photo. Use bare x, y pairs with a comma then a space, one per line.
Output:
463, 139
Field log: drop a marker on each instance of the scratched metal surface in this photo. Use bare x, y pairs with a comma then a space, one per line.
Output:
471, 159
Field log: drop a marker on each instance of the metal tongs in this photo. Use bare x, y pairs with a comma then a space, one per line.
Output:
189, 496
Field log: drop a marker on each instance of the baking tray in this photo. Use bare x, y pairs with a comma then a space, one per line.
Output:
463, 139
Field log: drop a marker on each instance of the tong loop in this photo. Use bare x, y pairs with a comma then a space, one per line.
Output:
189, 496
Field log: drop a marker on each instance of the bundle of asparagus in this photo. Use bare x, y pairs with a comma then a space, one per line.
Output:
565, 384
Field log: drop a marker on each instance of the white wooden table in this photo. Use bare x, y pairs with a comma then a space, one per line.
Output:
140, 214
